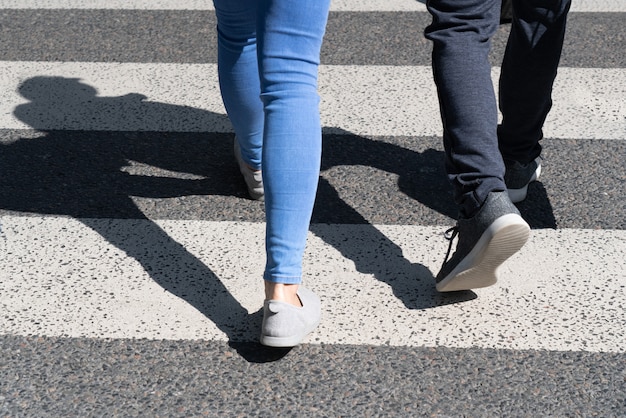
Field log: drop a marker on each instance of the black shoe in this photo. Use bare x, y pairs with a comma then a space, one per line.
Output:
519, 176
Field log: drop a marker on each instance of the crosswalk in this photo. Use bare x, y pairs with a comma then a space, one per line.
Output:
123, 218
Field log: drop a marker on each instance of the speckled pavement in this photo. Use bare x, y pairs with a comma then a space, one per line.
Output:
130, 257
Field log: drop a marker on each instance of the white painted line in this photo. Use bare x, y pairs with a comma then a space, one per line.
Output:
565, 290
588, 6
109, 4
378, 5
591, 6
336, 5
363, 100
367, 100
111, 96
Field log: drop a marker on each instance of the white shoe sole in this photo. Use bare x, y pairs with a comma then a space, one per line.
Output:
504, 237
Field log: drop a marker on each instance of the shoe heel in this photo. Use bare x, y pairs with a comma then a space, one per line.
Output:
286, 325
517, 195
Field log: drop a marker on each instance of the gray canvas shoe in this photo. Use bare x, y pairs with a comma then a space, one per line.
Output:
253, 178
519, 176
485, 241
285, 325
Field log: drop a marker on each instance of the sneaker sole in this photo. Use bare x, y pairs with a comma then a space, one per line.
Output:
504, 237
517, 195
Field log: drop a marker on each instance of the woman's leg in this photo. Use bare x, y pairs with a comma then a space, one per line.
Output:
239, 74
289, 40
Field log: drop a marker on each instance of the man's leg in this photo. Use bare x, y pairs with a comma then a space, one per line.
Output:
528, 72
490, 228
461, 32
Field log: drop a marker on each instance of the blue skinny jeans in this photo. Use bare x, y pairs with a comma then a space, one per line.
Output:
268, 58
476, 147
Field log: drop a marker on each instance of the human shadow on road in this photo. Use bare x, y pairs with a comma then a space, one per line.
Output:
419, 169
83, 175
363, 243
421, 176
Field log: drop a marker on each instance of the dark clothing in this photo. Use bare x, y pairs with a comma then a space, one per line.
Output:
476, 147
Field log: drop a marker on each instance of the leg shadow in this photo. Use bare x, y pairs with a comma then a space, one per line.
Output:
180, 273
77, 165
536, 209
374, 253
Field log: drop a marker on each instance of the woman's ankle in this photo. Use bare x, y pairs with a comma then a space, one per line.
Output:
283, 292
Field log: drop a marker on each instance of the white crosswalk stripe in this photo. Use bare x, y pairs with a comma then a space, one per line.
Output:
88, 288
589, 103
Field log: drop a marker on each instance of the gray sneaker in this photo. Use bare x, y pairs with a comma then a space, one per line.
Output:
253, 178
485, 241
519, 176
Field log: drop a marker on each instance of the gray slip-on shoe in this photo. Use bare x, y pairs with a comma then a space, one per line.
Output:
285, 325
